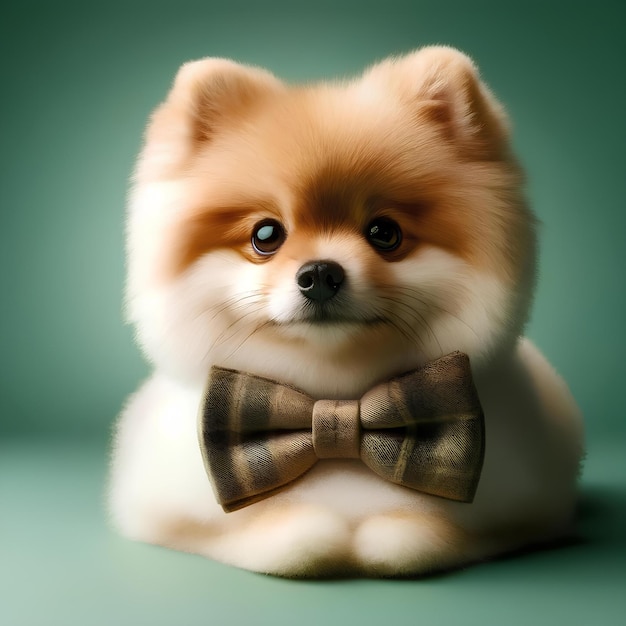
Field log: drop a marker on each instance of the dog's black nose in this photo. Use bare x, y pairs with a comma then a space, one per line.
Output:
320, 280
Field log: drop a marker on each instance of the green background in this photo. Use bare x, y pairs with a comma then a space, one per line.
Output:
78, 82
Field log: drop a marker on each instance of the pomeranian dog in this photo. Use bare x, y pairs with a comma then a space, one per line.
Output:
332, 237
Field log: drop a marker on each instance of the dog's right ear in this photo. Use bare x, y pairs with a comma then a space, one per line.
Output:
207, 95
442, 86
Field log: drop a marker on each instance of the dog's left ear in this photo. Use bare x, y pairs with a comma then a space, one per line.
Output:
442, 86
208, 96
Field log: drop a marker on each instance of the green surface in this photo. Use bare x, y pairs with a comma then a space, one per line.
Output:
61, 565
78, 82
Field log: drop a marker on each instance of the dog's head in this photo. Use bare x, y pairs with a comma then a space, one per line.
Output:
328, 235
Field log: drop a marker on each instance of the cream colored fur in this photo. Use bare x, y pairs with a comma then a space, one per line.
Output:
419, 131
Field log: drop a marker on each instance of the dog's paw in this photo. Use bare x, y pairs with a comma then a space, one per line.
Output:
292, 541
403, 544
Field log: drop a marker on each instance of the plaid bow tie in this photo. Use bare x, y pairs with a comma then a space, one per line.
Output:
423, 430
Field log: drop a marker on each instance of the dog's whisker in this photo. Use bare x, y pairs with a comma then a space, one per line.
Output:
419, 297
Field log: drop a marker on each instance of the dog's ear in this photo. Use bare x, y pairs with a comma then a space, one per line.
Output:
208, 95
442, 86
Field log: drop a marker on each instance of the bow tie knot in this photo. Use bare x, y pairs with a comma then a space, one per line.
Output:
423, 430
336, 429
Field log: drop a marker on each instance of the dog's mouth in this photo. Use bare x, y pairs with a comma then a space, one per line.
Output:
328, 322
325, 315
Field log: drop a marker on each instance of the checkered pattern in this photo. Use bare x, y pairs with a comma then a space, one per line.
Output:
423, 430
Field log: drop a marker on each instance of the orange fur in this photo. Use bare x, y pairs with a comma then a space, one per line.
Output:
319, 158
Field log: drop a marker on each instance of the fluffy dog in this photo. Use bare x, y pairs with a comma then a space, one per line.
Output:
331, 237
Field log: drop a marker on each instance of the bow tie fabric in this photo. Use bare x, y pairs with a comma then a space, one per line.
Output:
423, 430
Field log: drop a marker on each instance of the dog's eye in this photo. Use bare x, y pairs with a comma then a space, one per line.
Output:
384, 234
267, 237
